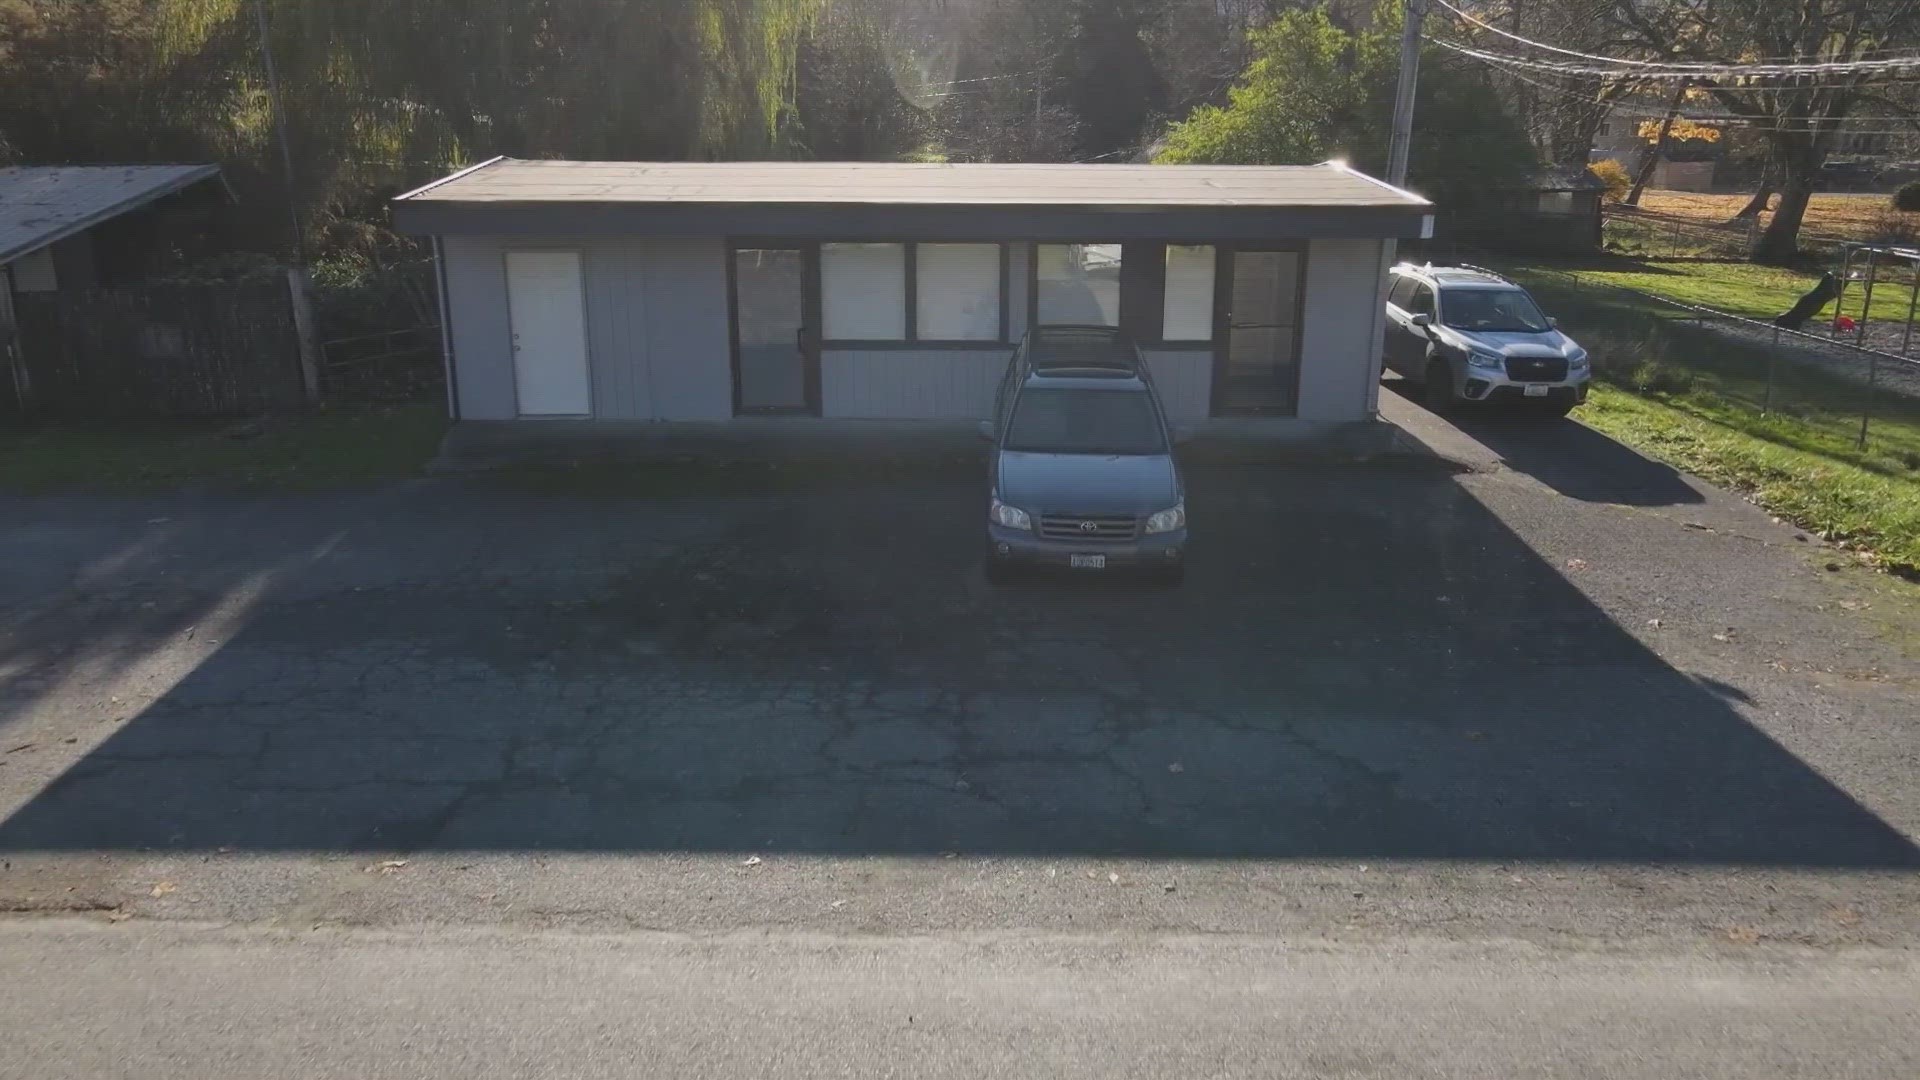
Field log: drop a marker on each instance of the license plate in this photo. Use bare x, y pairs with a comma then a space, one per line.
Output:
1087, 562
1538, 391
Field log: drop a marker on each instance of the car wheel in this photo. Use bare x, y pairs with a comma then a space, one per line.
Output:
1437, 394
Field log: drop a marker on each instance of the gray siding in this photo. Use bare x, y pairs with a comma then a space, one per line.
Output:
1339, 349
687, 345
482, 337
1184, 379
656, 327
911, 384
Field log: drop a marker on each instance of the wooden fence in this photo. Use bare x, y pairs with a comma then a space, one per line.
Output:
164, 350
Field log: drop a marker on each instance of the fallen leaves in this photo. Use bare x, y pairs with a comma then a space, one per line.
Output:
390, 866
163, 888
752, 860
1576, 564
1176, 768
1743, 935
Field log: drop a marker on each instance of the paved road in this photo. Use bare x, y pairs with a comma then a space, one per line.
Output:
83, 1000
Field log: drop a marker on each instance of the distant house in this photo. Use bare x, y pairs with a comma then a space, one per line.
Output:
78, 226
84, 329
1557, 212
862, 291
74, 227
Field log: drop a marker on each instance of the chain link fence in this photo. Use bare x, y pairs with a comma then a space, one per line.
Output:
1648, 234
1715, 359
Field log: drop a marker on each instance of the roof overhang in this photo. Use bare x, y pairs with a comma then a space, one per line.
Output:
55, 219
918, 222
881, 201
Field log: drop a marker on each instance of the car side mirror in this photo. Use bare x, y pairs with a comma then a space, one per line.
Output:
986, 430
1422, 320
1553, 323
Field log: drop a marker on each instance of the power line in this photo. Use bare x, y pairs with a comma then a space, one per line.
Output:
1776, 61
1746, 122
1671, 73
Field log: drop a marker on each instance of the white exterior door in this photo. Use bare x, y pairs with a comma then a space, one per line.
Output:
547, 309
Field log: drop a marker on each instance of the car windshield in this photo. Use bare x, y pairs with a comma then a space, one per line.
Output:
1496, 310
1059, 421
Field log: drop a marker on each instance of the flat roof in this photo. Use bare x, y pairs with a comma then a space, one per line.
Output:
44, 204
787, 183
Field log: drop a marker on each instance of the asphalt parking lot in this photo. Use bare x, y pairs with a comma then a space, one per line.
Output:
1395, 665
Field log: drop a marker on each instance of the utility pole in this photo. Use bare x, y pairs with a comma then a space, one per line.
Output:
299, 280
1413, 12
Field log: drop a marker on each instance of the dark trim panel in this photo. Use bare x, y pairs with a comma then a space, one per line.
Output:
446, 328
958, 224
915, 346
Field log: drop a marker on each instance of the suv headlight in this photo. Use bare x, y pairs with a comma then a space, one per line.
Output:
1485, 361
1577, 359
1011, 516
1167, 520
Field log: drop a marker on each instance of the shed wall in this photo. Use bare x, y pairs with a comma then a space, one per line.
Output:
1340, 341
656, 326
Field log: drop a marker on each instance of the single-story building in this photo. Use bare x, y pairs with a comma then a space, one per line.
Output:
70, 228
705, 292
78, 226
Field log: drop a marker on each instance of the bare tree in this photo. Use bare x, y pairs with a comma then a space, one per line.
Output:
1801, 114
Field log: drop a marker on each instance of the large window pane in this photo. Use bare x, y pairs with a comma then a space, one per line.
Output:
959, 288
1189, 305
863, 292
1079, 284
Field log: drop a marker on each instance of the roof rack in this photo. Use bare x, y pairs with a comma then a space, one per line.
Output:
1082, 351
1494, 274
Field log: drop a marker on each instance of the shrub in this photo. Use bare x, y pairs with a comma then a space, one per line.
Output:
1907, 197
1893, 227
1615, 175
1657, 378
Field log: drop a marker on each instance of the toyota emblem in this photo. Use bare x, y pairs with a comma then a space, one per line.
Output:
1089, 526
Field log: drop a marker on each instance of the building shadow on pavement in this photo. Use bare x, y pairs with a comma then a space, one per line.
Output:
1364, 662
1568, 457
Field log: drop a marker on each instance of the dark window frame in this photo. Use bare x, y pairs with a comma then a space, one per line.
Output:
1223, 315
810, 342
913, 340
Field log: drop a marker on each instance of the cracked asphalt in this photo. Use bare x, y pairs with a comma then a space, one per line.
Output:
1565, 695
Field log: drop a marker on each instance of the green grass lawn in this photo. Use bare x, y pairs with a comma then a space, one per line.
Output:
291, 453
1754, 292
1824, 488
1786, 433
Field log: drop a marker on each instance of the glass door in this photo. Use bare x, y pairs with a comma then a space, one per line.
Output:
776, 356
1259, 369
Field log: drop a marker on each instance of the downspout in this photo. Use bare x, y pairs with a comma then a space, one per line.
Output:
446, 329
1377, 331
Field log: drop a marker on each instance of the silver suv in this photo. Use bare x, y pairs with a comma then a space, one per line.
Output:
1471, 335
